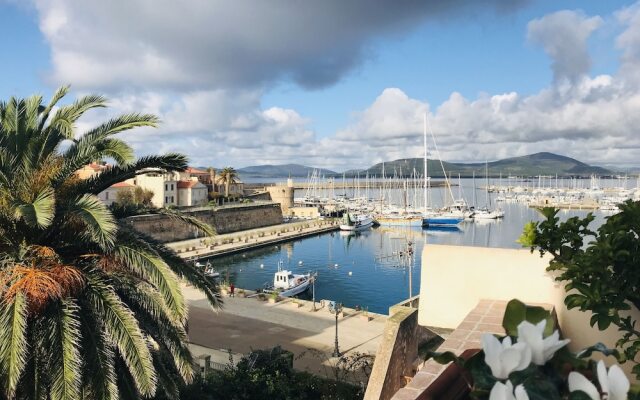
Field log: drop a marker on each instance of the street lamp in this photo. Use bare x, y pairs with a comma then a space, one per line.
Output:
335, 308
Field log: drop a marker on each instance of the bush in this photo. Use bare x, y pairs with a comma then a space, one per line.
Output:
267, 374
600, 268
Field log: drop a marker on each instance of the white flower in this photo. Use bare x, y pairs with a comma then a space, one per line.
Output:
504, 358
614, 384
542, 349
500, 391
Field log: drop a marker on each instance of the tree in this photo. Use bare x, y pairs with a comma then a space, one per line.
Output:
601, 269
134, 197
88, 307
228, 176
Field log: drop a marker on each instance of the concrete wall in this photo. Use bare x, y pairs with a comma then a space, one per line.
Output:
455, 278
397, 354
223, 219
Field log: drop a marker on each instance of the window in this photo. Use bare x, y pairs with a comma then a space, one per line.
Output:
166, 199
172, 197
166, 187
172, 186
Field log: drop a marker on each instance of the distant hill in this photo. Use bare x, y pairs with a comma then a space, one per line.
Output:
530, 165
282, 171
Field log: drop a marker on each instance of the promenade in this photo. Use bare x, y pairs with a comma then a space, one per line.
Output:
248, 323
244, 240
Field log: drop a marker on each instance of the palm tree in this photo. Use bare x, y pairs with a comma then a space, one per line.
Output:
228, 176
89, 308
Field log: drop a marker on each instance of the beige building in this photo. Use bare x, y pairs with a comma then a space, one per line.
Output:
170, 189
110, 195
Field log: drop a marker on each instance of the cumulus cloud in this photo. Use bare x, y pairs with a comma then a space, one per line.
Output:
222, 44
204, 67
563, 36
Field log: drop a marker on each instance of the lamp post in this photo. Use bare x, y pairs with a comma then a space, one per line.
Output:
335, 308
313, 291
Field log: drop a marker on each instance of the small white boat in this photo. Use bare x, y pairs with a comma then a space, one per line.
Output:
207, 269
287, 284
356, 222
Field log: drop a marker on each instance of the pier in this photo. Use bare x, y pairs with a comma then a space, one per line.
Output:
229, 243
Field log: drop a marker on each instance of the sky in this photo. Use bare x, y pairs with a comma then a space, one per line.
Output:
342, 84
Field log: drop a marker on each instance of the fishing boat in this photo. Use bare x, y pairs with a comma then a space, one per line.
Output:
356, 222
287, 284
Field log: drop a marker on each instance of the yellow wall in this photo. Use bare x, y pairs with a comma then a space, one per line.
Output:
455, 278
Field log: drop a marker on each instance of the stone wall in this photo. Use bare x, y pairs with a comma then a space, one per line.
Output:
397, 356
224, 219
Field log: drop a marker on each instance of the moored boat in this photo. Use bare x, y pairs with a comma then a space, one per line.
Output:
356, 222
287, 284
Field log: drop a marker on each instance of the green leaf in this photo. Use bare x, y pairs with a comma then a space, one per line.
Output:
516, 312
39, 212
579, 395
601, 348
13, 341
66, 365
444, 357
99, 223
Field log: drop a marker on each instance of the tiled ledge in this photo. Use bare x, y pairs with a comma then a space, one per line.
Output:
486, 317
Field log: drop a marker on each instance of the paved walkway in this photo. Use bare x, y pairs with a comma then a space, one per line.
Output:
248, 323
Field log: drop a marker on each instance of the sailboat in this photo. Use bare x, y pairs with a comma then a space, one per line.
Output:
485, 212
431, 217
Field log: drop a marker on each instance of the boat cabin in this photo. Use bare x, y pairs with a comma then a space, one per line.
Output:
286, 279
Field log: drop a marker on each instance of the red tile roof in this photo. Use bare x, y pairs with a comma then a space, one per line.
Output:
192, 170
122, 185
187, 184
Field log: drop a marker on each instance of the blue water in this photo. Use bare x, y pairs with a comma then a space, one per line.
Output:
370, 272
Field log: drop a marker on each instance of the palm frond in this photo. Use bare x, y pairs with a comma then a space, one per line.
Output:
100, 226
66, 361
100, 376
151, 267
65, 118
38, 213
115, 174
122, 328
57, 96
13, 341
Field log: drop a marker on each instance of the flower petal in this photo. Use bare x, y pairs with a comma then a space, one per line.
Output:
577, 381
601, 370
530, 334
618, 384
500, 391
492, 349
521, 394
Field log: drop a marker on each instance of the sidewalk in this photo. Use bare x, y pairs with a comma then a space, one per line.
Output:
248, 323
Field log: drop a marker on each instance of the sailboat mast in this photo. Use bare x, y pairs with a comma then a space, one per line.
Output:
424, 189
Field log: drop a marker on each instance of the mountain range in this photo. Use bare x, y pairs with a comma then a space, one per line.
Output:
530, 165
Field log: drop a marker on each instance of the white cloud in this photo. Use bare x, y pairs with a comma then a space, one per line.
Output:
204, 67
563, 36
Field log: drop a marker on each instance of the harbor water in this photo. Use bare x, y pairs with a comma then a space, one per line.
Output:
373, 269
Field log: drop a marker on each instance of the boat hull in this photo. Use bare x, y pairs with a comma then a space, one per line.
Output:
296, 289
441, 221
356, 228
417, 222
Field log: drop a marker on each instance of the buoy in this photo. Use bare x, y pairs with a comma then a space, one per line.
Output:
350, 273
335, 265
261, 265
299, 262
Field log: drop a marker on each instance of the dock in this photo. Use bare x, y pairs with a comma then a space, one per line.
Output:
247, 323
230, 243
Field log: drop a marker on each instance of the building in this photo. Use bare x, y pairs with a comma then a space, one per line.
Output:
170, 189
110, 195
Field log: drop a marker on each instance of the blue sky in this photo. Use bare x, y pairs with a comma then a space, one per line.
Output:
260, 91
